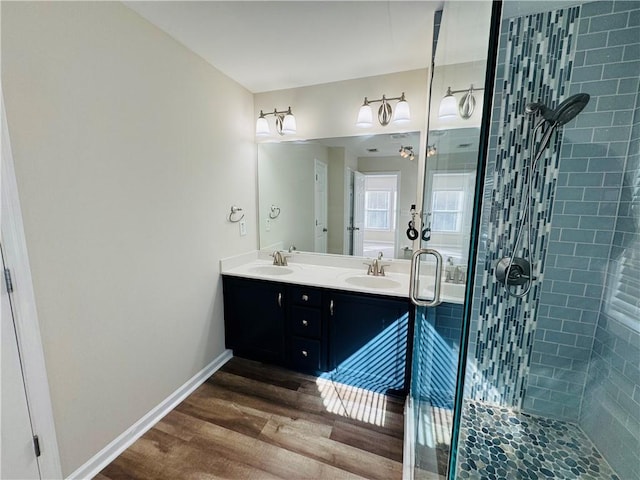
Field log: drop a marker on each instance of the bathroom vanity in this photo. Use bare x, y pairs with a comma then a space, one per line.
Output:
321, 318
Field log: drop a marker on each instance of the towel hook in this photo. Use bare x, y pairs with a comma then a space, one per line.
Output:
235, 211
275, 212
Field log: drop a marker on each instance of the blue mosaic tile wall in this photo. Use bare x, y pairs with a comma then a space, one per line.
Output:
534, 65
588, 219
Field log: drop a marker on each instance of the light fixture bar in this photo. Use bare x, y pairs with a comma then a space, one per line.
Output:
285, 123
407, 152
450, 108
386, 114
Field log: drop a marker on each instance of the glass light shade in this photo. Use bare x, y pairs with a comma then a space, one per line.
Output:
262, 127
448, 107
365, 117
289, 124
402, 114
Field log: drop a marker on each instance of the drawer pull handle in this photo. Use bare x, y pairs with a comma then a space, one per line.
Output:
305, 323
305, 298
331, 308
280, 300
305, 353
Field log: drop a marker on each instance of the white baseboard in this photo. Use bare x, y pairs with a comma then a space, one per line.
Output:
105, 456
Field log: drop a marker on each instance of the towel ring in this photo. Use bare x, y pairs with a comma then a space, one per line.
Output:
275, 212
234, 212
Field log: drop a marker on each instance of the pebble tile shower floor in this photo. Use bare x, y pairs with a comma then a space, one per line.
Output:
498, 443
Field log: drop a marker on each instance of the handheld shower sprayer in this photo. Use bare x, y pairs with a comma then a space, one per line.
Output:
517, 271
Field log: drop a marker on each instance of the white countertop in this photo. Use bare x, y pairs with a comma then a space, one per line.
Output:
340, 273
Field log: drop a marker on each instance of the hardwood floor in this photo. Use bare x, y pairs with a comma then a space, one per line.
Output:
252, 421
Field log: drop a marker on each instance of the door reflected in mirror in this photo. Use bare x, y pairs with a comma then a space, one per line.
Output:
346, 196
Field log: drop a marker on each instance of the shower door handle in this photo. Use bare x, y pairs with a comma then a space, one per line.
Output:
413, 279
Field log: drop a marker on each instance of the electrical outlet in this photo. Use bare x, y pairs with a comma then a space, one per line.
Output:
267, 225
243, 228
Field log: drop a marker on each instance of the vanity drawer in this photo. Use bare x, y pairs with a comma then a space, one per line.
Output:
306, 354
306, 322
305, 296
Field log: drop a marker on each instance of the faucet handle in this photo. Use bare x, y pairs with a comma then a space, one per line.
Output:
370, 269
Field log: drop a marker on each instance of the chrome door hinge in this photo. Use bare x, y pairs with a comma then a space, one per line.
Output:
8, 280
36, 445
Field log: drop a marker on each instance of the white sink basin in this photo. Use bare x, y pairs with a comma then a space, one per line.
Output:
271, 270
369, 281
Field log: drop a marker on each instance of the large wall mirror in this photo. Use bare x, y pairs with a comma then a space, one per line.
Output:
353, 195
347, 196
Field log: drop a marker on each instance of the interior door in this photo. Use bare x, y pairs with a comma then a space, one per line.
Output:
321, 201
17, 455
358, 213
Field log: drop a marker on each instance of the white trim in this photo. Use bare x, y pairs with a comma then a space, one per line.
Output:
27, 326
105, 456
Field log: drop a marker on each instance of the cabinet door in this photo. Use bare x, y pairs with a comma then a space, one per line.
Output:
254, 313
368, 341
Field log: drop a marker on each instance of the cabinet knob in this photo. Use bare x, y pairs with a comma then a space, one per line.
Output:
305, 323
305, 298
305, 353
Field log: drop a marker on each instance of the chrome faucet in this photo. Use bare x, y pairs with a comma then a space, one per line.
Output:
376, 268
279, 259
455, 273
449, 270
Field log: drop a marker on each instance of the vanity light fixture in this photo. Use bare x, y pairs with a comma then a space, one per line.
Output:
407, 152
285, 123
450, 108
386, 114
431, 150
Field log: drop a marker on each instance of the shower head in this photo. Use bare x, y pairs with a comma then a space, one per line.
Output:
571, 107
565, 112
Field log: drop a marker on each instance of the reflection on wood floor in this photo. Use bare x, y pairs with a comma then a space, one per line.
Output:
433, 439
252, 421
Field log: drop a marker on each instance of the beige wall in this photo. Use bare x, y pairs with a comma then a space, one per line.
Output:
129, 151
287, 181
330, 109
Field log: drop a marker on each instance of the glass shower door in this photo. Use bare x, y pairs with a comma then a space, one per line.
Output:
451, 168
550, 376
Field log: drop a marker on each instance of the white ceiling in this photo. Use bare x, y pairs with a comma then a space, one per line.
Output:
380, 145
273, 45
457, 140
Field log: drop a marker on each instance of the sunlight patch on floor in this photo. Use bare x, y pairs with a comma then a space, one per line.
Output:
353, 402
434, 425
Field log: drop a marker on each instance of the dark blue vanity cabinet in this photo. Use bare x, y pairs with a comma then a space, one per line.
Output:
351, 338
254, 319
368, 341
308, 332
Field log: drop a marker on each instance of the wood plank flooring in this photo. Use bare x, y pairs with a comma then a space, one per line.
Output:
252, 421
